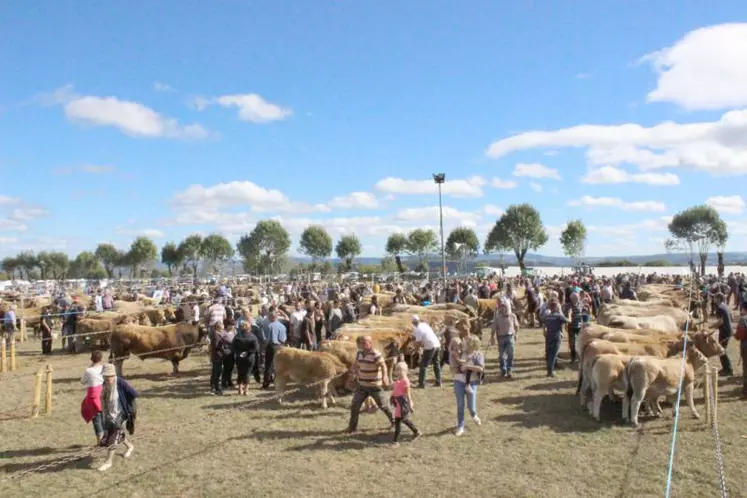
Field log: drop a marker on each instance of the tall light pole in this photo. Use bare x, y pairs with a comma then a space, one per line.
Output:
440, 178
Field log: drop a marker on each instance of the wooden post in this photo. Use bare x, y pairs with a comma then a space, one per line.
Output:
48, 397
707, 393
3, 356
37, 393
13, 353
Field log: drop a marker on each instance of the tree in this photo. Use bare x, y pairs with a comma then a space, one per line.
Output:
573, 240
519, 229
43, 263
10, 265
216, 248
122, 261
421, 243
388, 264
264, 249
396, 245
142, 251
698, 227
171, 257
347, 248
85, 265
58, 265
462, 245
316, 243
27, 262
191, 251
108, 256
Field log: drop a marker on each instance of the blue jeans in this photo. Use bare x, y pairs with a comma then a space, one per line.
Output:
460, 390
506, 352
552, 347
98, 425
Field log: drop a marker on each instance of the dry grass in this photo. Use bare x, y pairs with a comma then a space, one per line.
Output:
534, 441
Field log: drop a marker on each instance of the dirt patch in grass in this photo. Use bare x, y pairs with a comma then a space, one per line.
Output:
535, 440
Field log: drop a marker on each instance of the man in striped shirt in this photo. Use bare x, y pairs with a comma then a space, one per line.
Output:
372, 377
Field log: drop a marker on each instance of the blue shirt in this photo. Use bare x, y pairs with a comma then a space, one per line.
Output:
275, 332
554, 322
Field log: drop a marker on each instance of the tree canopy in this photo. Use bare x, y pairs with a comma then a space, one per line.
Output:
264, 249
697, 228
142, 251
462, 245
573, 239
421, 243
171, 257
519, 229
316, 243
109, 256
191, 251
396, 245
216, 249
347, 249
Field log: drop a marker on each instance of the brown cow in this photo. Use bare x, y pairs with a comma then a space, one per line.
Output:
297, 365
170, 342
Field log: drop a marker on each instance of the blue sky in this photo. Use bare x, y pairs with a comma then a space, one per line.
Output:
173, 117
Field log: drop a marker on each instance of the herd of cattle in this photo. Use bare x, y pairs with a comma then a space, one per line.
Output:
634, 347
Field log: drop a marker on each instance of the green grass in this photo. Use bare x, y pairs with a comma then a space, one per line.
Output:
535, 441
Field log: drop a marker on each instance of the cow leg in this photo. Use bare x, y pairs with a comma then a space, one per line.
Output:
118, 367
626, 407
279, 387
325, 393
635, 406
599, 394
175, 367
689, 389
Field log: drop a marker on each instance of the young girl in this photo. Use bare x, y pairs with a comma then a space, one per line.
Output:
456, 351
402, 402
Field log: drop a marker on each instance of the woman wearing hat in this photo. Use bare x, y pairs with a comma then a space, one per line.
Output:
118, 413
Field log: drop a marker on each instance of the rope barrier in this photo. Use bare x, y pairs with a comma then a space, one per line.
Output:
679, 397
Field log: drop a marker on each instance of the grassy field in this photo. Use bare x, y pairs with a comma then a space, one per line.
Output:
534, 441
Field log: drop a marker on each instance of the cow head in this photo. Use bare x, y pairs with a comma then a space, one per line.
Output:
695, 357
707, 343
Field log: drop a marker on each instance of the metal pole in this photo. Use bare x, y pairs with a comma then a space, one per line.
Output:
443, 253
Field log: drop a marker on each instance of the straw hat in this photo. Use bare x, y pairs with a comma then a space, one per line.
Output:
109, 370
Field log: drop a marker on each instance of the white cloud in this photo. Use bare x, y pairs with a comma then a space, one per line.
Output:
471, 187
10, 224
131, 118
29, 213
536, 170
496, 182
432, 214
535, 186
707, 69
582, 76
611, 174
144, 232
6, 200
631, 229
618, 203
732, 204
254, 108
355, 200
162, 87
199, 199
492, 210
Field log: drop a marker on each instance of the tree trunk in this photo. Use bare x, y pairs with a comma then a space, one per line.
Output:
521, 263
703, 258
720, 269
400, 266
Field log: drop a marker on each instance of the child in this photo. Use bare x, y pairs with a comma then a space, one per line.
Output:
456, 353
402, 402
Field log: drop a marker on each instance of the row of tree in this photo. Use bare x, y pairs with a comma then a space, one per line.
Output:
265, 249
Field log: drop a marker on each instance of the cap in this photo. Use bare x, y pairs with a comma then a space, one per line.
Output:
109, 370
415, 318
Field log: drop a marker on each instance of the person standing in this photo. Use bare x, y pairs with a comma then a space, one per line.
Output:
370, 368
216, 314
217, 354
425, 336
98, 302
228, 356
46, 332
118, 413
275, 335
724, 333
10, 324
505, 327
245, 348
575, 312
464, 356
402, 402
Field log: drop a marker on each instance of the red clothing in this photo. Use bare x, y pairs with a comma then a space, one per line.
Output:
91, 404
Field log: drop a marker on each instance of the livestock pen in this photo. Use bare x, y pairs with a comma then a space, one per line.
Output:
534, 440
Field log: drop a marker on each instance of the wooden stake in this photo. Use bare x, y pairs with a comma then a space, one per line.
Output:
37, 393
48, 397
3, 356
13, 353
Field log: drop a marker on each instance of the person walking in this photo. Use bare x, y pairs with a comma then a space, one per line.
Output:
217, 353
553, 321
245, 349
90, 407
425, 336
118, 413
228, 356
504, 329
577, 314
370, 369
402, 402
464, 356
275, 335
46, 332
724, 333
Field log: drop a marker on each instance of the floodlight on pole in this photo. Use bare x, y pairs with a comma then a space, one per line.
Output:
440, 178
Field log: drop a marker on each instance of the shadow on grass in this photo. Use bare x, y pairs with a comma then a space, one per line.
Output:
326, 440
552, 386
38, 451
84, 462
560, 412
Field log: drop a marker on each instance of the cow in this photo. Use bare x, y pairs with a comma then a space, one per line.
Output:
99, 330
650, 378
298, 365
660, 322
608, 375
170, 342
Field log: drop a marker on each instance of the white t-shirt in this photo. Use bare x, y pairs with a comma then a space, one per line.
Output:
425, 334
196, 313
93, 377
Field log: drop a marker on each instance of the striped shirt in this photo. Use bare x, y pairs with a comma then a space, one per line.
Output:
369, 368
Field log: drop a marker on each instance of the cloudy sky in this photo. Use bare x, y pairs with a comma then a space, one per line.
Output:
120, 119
